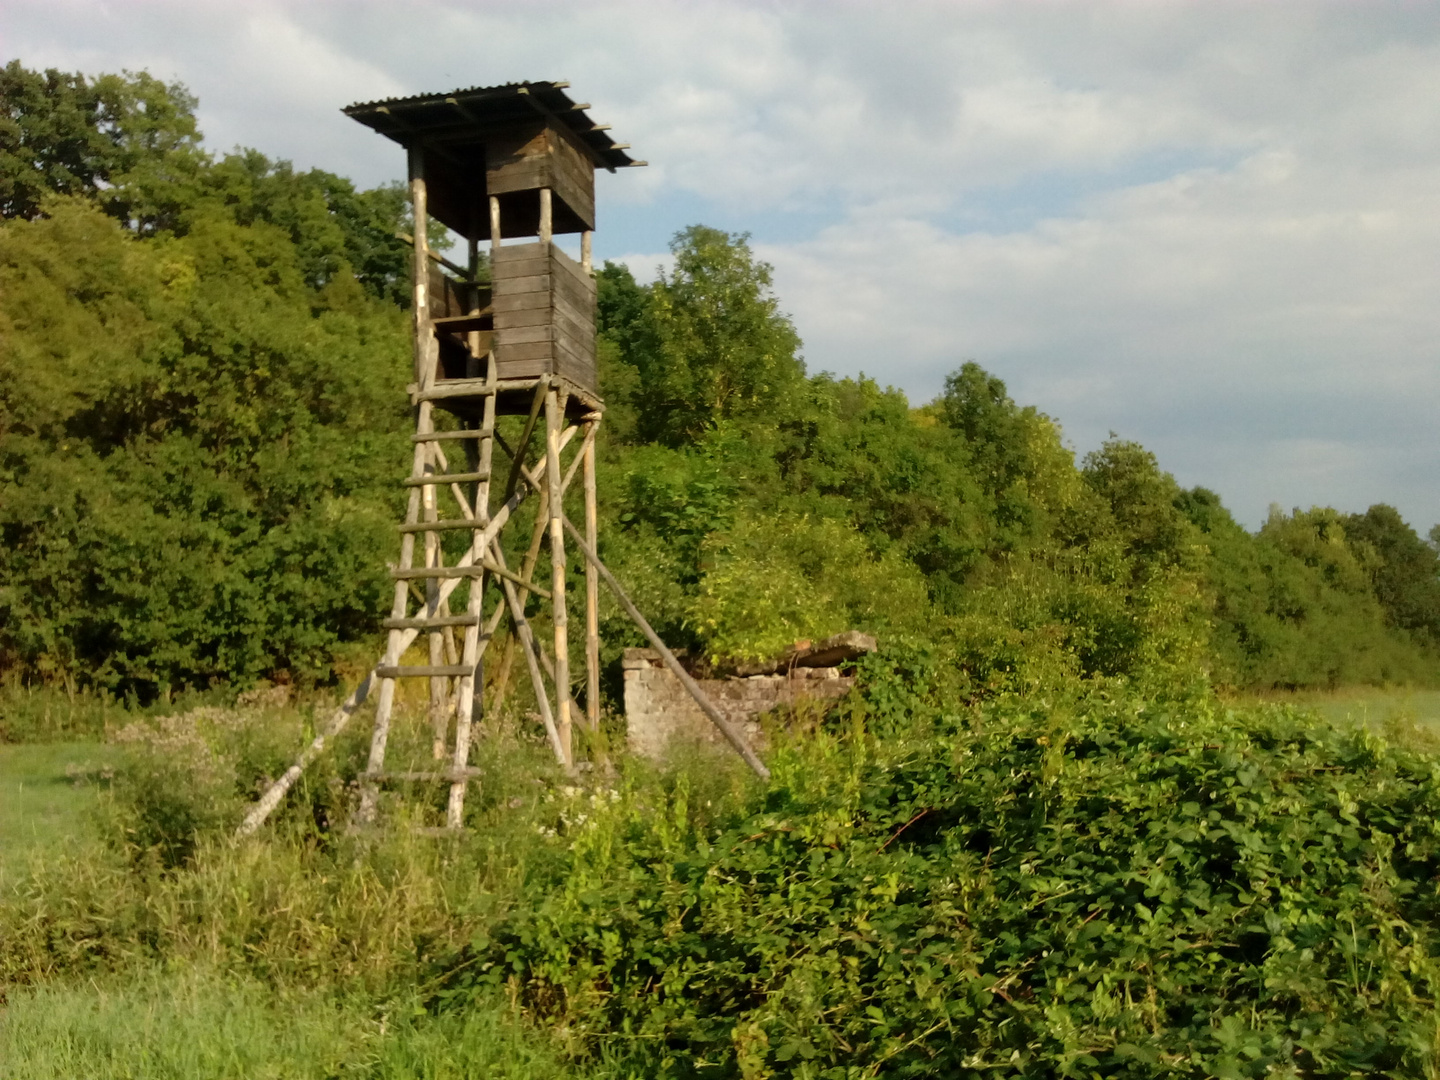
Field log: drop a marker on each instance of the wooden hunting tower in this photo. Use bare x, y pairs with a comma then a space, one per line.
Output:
497, 164
504, 163
512, 165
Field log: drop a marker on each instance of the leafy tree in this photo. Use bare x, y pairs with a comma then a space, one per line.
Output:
716, 346
1404, 570
129, 141
191, 456
1142, 500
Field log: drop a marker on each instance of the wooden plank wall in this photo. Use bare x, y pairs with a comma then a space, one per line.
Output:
539, 158
574, 308
544, 315
448, 297
572, 176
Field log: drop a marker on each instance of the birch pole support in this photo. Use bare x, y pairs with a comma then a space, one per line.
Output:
553, 418
731, 733
266, 804
592, 587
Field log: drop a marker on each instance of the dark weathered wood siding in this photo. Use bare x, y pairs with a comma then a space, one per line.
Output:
538, 157
544, 315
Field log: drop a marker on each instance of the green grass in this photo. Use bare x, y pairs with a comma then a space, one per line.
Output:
1380, 708
195, 1024
47, 795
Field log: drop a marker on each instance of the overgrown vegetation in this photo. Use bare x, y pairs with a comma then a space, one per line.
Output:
1083, 884
1034, 843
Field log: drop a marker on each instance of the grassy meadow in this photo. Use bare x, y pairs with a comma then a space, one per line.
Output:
50, 796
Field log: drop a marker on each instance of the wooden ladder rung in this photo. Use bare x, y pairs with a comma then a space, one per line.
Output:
442, 572
423, 671
442, 526
449, 776
462, 433
472, 571
434, 479
433, 623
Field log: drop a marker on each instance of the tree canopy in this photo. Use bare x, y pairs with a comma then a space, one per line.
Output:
201, 422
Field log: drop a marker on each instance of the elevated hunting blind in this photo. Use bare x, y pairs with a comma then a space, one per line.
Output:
508, 163
493, 164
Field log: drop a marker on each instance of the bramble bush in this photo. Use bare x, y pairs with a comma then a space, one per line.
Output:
1082, 887
1084, 883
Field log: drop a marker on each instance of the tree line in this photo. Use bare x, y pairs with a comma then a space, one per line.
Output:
201, 431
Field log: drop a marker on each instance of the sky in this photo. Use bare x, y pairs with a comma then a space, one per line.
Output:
1212, 228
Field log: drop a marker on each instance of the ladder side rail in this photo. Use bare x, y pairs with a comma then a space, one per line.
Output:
397, 643
424, 338
435, 638
468, 688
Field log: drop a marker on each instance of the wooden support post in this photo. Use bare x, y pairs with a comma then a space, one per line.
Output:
546, 216
731, 733
472, 340
554, 418
494, 228
592, 586
425, 360
420, 266
585, 257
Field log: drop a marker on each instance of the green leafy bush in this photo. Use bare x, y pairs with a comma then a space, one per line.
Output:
1084, 888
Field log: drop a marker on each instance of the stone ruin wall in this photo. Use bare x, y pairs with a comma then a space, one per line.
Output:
661, 716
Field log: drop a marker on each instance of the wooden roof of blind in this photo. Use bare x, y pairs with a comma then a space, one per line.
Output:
466, 116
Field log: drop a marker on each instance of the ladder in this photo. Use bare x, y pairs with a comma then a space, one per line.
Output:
450, 490
446, 497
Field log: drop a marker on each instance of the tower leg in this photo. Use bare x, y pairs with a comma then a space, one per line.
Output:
554, 418
592, 590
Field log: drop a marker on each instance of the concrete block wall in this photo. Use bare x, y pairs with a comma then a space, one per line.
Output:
661, 716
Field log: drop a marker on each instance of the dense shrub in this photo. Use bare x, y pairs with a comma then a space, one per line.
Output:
1067, 889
